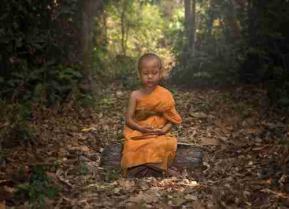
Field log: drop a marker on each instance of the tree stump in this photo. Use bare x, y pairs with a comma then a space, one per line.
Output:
188, 156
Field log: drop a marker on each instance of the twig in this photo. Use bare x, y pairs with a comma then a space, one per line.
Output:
278, 194
61, 179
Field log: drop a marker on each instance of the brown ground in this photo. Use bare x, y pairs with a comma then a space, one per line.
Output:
246, 162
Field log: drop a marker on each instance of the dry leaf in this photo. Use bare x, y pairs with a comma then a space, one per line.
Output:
144, 197
89, 129
191, 197
209, 141
126, 184
199, 115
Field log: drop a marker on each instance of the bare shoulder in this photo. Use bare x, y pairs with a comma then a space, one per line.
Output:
135, 94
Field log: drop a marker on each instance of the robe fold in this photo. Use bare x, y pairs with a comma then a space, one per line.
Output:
154, 110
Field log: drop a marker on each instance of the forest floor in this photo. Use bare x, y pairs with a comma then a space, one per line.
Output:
246, 161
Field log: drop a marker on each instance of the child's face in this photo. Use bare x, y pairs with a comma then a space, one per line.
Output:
150, 72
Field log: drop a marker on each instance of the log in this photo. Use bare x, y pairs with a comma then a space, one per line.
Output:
188, 156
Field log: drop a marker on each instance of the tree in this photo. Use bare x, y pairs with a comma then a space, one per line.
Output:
190, 27
90, 10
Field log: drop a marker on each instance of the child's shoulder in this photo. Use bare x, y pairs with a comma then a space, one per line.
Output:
137, 94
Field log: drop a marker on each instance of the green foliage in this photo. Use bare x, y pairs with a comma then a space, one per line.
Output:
243, 109
278, 90
47, 84
126, 71
37, 189
34, 38
175, 30
209, 67
83, 168
132, 28
40, 54
237, 42
16, 130
284, 141
142, 27
267, 52
111, 174
57, 84
214, 58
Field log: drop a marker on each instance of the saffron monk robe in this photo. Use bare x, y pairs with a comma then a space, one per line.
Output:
149, 149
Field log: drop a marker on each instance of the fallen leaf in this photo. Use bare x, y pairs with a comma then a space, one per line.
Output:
209, 141
88, 129
199, 115
191, 197
178, 201
126, 184
116, 190
197, 205
144, 197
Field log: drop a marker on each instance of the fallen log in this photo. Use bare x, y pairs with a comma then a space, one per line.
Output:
188, 156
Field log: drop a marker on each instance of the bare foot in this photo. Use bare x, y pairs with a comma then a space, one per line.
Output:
173, 171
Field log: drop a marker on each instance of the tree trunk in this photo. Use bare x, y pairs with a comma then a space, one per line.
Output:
124, 27
210, 20
90, 9
231, 28
188, 25
190, 29
194, 27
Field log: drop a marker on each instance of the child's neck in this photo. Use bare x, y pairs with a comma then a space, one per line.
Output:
149, 89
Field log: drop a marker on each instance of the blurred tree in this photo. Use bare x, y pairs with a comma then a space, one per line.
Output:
190, 27
266, 52
90, 9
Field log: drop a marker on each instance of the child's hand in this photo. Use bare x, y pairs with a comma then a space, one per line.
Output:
150, 130
159, 131
147, 130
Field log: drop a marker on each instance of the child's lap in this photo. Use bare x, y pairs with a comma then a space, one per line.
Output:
159, 142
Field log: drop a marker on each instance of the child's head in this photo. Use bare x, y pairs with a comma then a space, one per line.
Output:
149, 68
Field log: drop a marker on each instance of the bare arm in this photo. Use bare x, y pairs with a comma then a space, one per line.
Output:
167, 127
130, 122
164, 129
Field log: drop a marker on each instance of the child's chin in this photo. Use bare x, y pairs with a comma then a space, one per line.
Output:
150, 84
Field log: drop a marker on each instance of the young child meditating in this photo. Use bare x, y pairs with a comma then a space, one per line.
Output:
148, 147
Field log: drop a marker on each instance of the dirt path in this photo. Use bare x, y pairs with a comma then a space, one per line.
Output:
246, 162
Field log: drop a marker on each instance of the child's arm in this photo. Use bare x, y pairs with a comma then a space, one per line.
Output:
130, 113
165, 129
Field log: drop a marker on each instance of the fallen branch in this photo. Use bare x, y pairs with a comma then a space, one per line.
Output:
188, 156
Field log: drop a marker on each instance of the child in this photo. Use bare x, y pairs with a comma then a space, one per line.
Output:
148, 147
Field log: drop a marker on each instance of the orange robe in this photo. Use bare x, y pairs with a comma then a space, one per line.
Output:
154, 110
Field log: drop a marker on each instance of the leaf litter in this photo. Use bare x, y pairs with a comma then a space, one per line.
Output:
246, 163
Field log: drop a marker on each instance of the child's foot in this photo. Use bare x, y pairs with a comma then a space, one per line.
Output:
144, 171
173, 171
